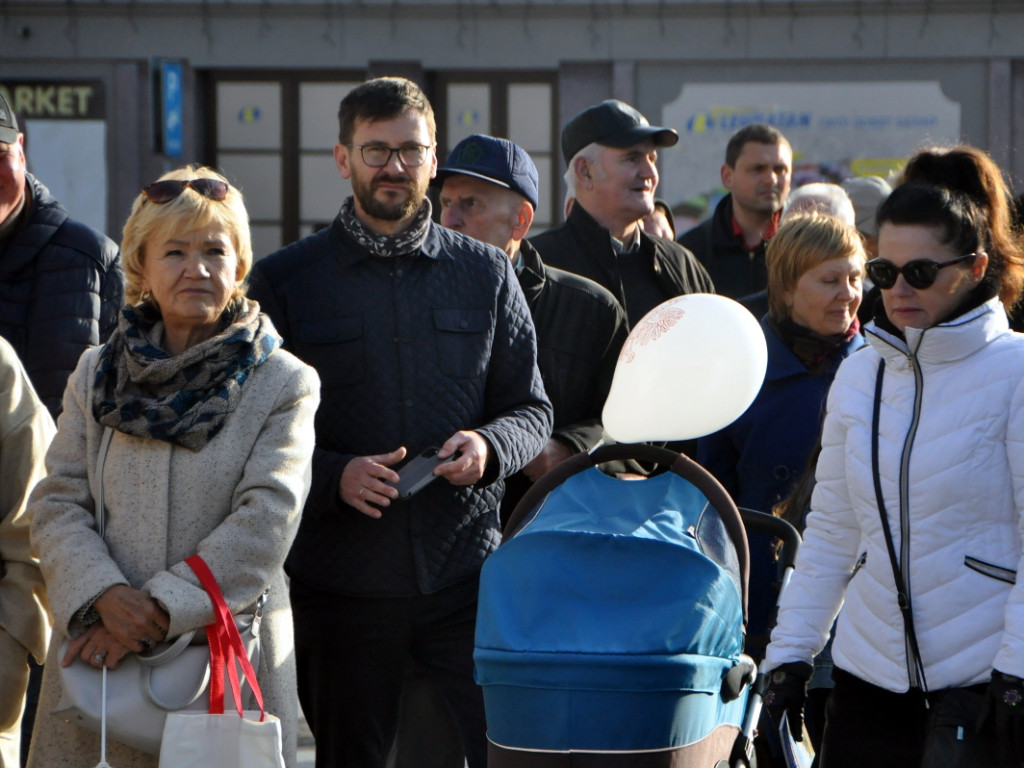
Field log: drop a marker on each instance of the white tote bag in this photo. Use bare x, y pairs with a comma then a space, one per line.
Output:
226, 741
240, 739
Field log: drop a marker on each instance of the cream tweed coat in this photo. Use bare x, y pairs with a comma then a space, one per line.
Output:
237, 502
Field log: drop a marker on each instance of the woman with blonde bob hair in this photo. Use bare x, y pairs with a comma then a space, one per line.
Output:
815, 266
210, 448
147, 220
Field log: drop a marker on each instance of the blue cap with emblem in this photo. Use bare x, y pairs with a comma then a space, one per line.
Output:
496, 160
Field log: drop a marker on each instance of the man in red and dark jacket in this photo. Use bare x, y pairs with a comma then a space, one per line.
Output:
730, 243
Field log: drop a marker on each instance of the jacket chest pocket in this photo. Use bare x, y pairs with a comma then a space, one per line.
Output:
463, 341
335, 347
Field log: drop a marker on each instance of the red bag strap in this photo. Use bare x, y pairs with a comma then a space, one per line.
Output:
226, 646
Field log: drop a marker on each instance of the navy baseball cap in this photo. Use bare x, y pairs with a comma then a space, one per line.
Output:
8, 122
612, 123
498, 161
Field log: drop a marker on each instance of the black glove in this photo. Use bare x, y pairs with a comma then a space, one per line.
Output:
787, 692
1004, 703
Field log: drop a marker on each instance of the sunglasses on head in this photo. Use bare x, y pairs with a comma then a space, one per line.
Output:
161, 192
919, 273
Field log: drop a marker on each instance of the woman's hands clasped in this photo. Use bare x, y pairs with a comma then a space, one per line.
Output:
130, 621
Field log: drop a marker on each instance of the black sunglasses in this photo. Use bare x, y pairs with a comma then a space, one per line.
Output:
919, 273
161, 192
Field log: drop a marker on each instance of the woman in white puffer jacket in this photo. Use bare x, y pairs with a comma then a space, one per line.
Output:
927, 423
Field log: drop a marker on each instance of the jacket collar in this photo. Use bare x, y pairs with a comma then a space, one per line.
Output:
943, 343
782, 362
530, 272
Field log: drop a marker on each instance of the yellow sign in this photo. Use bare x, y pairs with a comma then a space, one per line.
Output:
48, 100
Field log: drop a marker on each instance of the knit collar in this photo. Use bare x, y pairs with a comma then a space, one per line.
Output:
407, 241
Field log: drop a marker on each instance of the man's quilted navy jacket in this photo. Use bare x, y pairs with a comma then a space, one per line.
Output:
409, 350
61, 287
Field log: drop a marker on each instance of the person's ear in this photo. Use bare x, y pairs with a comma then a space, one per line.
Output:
343, 160
726, 173
978, 267
522, 219
581, 167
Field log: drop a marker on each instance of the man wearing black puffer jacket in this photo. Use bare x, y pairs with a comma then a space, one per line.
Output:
61, 286
61, 283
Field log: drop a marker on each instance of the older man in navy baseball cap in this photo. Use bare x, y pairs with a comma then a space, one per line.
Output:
489, 191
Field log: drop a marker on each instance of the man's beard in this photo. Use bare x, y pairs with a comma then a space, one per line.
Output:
385, 211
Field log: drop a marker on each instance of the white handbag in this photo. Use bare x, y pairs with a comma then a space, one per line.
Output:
145, 687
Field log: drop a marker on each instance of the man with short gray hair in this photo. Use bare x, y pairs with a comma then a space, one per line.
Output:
612, 150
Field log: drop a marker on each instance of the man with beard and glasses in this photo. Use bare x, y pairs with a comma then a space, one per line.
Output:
422, 338
730, 244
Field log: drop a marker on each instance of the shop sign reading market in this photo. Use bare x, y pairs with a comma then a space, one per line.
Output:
55, 99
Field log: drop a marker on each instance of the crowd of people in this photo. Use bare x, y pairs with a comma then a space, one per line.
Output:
259, 412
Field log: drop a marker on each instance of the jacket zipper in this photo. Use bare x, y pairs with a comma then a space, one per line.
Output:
912, 661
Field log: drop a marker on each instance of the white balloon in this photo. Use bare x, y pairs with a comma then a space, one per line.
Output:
690, 367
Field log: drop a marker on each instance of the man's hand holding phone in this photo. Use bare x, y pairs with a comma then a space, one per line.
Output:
468, 467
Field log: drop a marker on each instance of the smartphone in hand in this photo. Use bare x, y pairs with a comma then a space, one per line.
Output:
418, 472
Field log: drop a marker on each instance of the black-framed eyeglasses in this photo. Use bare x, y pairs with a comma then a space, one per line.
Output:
161, 192
919, 273
379, 155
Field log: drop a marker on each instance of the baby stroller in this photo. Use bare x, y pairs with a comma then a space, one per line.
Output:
610, 621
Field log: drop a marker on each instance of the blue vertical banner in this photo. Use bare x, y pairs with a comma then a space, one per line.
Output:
171, 108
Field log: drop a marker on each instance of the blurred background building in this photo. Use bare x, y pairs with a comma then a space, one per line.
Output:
113, 92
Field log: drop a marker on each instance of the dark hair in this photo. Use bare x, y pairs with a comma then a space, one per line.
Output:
973, 214
383, 98
759, 133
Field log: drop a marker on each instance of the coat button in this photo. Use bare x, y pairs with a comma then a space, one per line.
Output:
463, 324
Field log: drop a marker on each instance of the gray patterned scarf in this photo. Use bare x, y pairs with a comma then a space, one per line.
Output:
142, 390
407, 241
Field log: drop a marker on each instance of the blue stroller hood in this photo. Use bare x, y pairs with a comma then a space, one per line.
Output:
610, 619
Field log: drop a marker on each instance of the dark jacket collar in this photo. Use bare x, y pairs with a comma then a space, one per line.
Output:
530, 272
783, 362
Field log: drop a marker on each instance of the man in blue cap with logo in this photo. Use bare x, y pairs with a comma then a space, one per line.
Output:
489, 191
612, 151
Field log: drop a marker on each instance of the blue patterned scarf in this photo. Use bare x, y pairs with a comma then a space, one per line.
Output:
142, 390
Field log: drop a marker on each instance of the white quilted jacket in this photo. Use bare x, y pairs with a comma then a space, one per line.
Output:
953, 478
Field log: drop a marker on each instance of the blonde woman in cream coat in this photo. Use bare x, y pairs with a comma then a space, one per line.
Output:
211, 452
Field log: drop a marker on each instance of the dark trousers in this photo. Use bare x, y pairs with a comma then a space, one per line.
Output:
351, 655
869, 726
427, 736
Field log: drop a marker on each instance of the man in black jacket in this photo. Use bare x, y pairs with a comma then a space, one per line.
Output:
489, 192
730, 243
421, 337
612, 151
61, 287
61, 284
